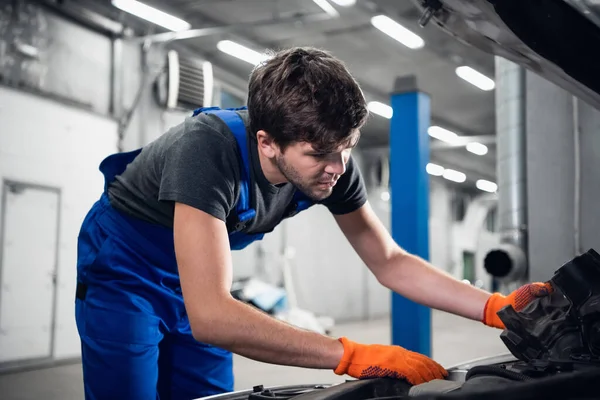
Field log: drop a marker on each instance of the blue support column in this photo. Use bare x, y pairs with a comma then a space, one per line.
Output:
409, 189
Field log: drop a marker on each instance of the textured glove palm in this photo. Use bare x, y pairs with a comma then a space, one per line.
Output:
517, 299
378, 361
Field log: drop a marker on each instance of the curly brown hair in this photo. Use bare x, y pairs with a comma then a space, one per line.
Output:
304, 94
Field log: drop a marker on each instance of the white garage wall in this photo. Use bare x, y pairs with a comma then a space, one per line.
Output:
329, 274
47, 143
552, 190
470, 235
441, 240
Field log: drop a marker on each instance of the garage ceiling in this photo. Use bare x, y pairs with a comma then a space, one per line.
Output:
375, 59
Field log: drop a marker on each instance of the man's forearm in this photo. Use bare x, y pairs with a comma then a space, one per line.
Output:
246, 331
416, 279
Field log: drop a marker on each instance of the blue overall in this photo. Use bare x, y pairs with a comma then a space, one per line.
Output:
135, 335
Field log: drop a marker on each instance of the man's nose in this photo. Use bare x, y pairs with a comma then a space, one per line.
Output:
336, 166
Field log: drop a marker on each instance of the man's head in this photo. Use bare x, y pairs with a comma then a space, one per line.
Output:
306, 110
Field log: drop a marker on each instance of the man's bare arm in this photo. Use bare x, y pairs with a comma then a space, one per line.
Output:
204, 261
407, 274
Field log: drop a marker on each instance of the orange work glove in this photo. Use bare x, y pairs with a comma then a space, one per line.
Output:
518, 299
363, 361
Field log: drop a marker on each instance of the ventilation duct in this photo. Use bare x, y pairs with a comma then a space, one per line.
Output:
185, 83
508, 261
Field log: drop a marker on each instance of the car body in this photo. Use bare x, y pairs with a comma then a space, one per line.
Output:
557, 39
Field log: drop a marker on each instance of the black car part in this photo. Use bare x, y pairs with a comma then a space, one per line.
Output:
380, 389
557, 32
493, 370
556, 340
260, 393
555, 39
571, 386
561, 331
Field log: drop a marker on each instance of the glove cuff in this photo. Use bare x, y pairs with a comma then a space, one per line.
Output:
344, 364
494, 303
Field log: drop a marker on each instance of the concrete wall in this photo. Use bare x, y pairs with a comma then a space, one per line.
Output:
551, 175
43, 142
472, 236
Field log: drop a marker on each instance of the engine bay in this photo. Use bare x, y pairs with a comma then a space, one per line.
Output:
554, 346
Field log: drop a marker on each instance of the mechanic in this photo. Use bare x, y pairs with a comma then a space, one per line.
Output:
153, 305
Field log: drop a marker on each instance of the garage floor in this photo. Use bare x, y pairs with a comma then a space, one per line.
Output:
454, 340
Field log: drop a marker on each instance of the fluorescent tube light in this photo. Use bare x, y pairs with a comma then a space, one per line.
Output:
475, 78
344, 3
434, 169
393, 29
242, 52
477, 148
152, 14
486, 186
209, 83
328, 8
442, 134
454, 176
174, 78
380, 109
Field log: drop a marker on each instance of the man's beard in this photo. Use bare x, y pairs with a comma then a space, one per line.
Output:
303, 185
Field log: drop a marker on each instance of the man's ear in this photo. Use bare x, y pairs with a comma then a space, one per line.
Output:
266, 144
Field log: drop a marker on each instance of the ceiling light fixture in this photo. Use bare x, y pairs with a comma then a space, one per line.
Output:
328, 8
454, 176
209, 82
380, 109
396, 31
475, 78
486, 186
344, 3
152, 14
434, 169
242, 52
477, 148
442, 134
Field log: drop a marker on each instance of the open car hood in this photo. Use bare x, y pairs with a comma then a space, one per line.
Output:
557, 39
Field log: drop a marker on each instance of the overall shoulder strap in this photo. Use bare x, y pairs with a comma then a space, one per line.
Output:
302, 201
238, 128
115, 164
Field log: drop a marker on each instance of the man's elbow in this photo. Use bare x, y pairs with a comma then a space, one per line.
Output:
207, 323
389, 272
200, 332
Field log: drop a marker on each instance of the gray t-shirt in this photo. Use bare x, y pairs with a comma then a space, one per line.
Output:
198, 163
